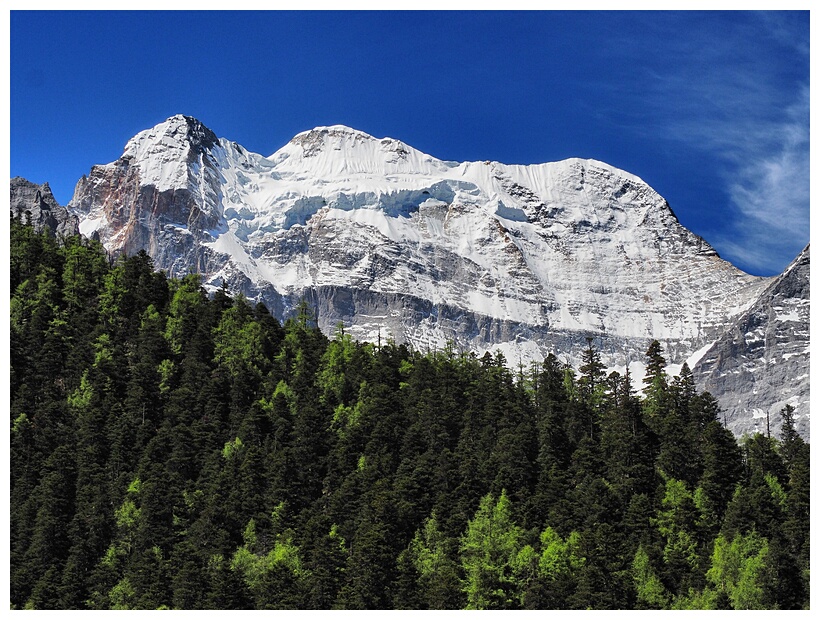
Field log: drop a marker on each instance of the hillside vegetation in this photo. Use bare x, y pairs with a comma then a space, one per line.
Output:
175, 450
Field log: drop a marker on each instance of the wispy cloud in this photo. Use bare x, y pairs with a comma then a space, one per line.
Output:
737, 91
761, 132
768, 183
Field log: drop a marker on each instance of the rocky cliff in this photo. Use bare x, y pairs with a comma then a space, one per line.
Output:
761, 362
36, 204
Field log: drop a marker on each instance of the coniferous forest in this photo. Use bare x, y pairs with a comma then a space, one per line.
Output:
171, 449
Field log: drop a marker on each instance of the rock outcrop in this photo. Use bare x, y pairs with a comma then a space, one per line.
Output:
36, 204
761, 363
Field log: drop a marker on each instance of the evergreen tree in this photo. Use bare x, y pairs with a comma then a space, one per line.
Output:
651, 593
723, 468
488, 551
677, 523
790, 442
433, 557
737, 567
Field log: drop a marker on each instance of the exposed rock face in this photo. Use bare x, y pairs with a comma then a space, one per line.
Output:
36, 203
397, 244
158, 197
762, 361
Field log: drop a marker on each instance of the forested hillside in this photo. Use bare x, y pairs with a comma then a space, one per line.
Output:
171, 450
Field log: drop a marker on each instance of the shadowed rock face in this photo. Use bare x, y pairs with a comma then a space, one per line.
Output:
167, 224
36, 204
761, 362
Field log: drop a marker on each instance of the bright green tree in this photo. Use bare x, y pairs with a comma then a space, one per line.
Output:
651, 593
432, 555
488, 551
737, 566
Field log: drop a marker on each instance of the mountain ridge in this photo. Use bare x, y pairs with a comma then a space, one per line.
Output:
37, 204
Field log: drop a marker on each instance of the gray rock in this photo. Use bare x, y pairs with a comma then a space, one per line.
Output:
761, 362
36, 204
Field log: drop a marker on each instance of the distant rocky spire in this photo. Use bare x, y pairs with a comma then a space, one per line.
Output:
36, 203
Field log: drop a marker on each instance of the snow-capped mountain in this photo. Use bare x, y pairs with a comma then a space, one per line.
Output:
397, 244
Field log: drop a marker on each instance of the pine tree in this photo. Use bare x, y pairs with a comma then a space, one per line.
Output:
722, 468
790, 440
592, 375
656, 400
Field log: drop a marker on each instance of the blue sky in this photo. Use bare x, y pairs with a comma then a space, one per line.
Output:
710, 108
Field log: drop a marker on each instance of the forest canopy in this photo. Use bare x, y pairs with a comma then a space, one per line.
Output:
171, 449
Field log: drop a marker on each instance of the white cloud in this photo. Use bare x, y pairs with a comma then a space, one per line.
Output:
738, 96
769, 189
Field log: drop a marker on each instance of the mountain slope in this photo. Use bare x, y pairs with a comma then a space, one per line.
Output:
765, 352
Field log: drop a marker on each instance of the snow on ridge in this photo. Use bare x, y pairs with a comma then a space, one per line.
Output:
331, 130
352, 182
338, 152
340, 131
161, 153
345, 159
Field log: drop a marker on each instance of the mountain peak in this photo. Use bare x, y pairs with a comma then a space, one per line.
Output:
333, 131
339, 151
164, 151
179, 132
333, 137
